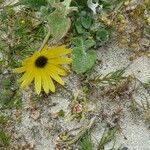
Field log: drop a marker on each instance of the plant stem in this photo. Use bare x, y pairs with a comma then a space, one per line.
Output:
46, 38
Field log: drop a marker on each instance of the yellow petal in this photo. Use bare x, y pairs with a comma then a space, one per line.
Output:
51, 84
31, 60
19, 70
24, 77
27, 81
58, 51
57, 70
60, 60
45, 81
27, 61
55, 76
37, 82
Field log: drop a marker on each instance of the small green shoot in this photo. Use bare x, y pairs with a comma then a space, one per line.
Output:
86, 142
4, 139
61, 113
111, 78
107, 137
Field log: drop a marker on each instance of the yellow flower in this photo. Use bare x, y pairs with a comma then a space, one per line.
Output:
43, 66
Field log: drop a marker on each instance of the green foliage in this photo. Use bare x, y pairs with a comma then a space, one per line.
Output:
86, 36
54, 14
86, 142
45, 11
14, 101
1, 1
61, 113
6, 13
4, 139
112, 77
22, 35
147, 4
111, 5
59, 25
83, 58
9, 96
4, 135
79, 3
102, 35
108, 136
57, 21
3, 121
34, 4
83, 21
21, 27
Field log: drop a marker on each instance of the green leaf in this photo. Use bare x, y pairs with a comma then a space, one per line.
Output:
89, 43
79, 27
45, 11
83, 60
86, 21
59, 25
82, 21
102, 35
58, 21
81, 42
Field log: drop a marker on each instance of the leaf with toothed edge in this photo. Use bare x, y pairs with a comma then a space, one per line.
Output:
83, 58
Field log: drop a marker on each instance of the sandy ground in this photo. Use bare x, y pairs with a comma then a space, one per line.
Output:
39, 127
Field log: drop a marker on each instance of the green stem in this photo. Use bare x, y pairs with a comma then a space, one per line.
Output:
45, 39
67, 3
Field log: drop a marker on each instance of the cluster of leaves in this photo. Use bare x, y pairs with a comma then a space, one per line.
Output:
86, 36
54, 14
26, 28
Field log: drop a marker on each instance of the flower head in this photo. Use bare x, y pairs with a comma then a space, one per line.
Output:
43, 66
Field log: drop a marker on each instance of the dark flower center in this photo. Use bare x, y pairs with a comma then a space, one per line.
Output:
41, 62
